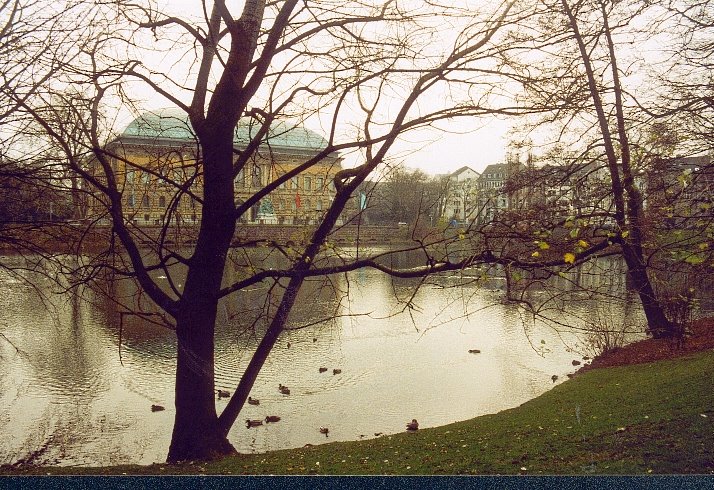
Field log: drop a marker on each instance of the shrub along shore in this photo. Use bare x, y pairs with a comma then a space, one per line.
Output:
648, 418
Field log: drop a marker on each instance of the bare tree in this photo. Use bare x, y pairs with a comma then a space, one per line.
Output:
571, 71
348, 65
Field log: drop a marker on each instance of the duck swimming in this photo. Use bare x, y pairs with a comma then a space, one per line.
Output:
324, 430
253, 401
223, 394
413, 425
253, 423
157, 408
284, 389
272, 418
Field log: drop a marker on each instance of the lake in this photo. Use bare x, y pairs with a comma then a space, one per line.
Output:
77, 380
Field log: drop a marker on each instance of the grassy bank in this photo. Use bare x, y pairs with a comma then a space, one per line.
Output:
648, 418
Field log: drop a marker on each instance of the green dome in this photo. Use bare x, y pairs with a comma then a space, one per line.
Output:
173, 125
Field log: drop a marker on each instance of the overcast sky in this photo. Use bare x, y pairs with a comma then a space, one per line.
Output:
472, 142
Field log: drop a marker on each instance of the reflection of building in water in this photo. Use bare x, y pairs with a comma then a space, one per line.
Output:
157, 164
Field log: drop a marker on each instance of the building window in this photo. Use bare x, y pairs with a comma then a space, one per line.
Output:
162, 202
145, 201
131, 201
145, 176
147, 218
319, 182
307, 181
130, 177
256, 176
318, 206
294, 182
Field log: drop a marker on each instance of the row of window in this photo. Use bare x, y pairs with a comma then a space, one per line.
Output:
145, 178
281, 203
309, 183
491, 185
146, 201
158, 220
497, 175
306, 205
177, 175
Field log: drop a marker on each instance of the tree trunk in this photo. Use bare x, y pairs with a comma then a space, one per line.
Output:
657, 323
196, 433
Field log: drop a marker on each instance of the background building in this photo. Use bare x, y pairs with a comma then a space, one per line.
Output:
461, 200
157, 164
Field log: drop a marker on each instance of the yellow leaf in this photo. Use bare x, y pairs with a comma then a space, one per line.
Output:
625, 234
582, 243
569, 258
543, 245
535, 254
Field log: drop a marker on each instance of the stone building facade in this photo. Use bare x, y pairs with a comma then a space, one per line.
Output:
157, 164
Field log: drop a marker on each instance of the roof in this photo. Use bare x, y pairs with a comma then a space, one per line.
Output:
462, 170
489, 173
173, 125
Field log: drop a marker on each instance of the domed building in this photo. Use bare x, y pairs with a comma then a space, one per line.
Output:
158, 166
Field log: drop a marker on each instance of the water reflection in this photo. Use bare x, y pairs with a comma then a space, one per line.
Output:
77, 380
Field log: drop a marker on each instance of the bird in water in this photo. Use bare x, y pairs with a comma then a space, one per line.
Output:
157, 408
253, 401
272, 418
554, 378
223, 394
284, 389
324, 430
413, 425
253, 423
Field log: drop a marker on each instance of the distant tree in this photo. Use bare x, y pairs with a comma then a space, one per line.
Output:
403, 196
31, 184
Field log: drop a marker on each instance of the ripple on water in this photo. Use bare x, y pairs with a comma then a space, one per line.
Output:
68, 385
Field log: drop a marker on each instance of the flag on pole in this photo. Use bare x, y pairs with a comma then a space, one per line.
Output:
297, 199
362, 201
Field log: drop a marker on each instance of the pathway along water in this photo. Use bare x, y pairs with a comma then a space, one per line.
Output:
72, 393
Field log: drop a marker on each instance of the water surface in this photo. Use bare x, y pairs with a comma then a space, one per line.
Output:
77, 381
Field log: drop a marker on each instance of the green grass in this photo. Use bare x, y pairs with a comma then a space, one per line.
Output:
650, 418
